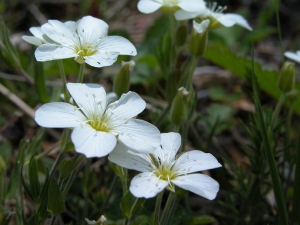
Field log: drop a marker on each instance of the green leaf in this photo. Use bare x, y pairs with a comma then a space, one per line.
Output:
33, 178
35, 144
131, 205
40, 82
8, 51
56, 204
67, 166
267, 79
69, 182
15, 176
42, 212
27, 188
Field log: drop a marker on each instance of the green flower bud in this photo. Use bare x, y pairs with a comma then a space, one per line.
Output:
198, 39
122, 79
179, 107
181, 34
287, 77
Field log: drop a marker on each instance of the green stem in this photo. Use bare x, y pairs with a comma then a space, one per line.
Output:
156, 213
126, 221
296, 195
53, 220
173, 42
168, 209
277, 2
184, 135
81, 73
282, 211
124, 181
64, 79
191, 69
277, 110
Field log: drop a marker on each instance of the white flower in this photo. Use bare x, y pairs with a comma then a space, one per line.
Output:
162, 170
97, 125
215, 15
149, 6
86, 41
293, 56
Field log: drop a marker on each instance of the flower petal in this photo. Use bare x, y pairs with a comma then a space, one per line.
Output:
92, 143
293, 56
32, 40
230, 19
58, 115
48, 52
117, 44
91, 29
60, 33
111, 97
130, 160
148, 6
127, 107
101, 59
192, 161
199, 184
139, 136
184, 15
192, 5
170, 143
91, 98
146, 185
37, 32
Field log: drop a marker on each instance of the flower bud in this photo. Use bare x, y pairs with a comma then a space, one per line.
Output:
122, 80
179, 107
181, 34
198, 39
287, 77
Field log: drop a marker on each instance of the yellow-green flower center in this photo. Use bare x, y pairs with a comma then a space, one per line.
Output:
100, 124
86, 50
165, 174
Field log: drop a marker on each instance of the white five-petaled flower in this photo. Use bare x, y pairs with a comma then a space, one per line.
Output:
97, 125
85, 40
149, 6
163, 170
293, 56
216, 16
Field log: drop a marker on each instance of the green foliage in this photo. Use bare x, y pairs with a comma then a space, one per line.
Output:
267, 79
131, 205
56, 204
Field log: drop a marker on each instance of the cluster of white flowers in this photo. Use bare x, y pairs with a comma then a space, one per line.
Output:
101, 127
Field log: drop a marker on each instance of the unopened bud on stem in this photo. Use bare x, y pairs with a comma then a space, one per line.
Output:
179, 107
122, 79
287, 77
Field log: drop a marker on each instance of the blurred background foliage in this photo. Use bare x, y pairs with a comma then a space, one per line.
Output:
222, 124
